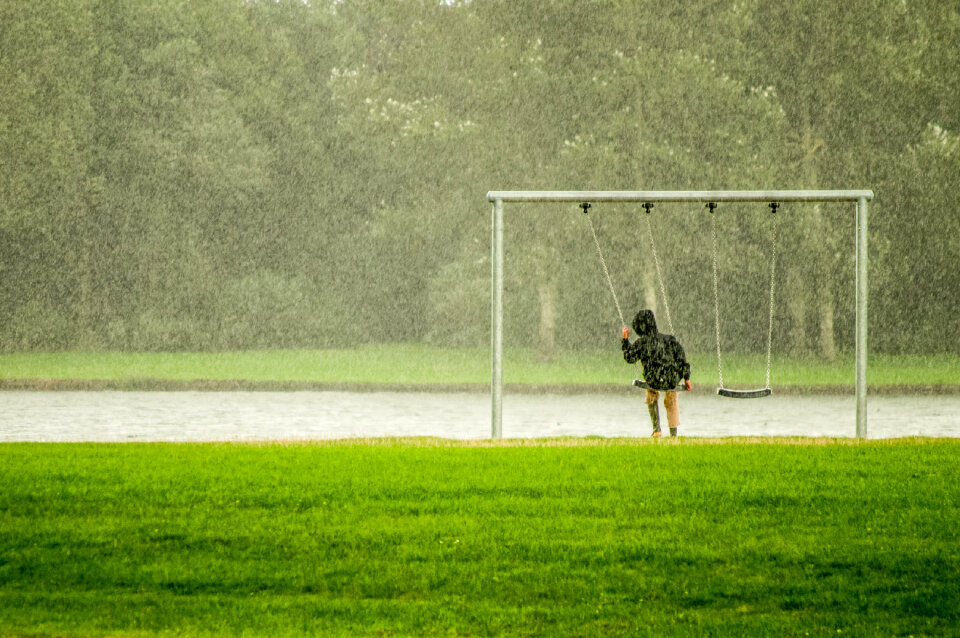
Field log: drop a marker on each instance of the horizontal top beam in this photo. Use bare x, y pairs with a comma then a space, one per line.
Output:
680, 196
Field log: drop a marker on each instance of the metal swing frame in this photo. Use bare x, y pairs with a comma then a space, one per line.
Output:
499, 198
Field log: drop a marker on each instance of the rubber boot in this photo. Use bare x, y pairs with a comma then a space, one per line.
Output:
654, 409
673, 431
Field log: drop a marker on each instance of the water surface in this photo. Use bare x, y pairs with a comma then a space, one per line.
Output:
187, 416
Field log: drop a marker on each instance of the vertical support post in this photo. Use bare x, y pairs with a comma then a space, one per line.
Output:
496, 320
861, 320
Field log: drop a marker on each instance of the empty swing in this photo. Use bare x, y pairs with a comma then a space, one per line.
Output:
637, 382
721, 390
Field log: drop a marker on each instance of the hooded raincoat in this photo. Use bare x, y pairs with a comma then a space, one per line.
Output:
661, 355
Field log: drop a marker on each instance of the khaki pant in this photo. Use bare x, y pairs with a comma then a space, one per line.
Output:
669, 402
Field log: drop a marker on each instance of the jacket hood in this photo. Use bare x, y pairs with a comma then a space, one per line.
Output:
644, 324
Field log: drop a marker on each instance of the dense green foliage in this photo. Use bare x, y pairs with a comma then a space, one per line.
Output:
417, 538
400, 366
228, 174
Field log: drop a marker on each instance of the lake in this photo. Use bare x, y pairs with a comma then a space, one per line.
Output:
202, 416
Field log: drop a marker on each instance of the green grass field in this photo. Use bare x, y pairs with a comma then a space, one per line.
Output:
584, 537
423, 365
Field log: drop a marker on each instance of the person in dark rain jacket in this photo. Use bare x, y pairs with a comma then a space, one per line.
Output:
664, 367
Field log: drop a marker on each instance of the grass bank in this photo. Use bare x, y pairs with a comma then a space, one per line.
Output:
423, 366
582, 537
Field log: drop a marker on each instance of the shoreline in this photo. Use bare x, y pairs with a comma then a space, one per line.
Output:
239, 385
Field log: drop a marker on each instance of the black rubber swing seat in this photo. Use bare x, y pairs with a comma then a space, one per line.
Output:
745, 394
640, 383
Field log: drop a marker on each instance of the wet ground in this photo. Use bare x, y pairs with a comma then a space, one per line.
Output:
185, 416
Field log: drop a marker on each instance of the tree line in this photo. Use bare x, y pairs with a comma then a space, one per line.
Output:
227, 174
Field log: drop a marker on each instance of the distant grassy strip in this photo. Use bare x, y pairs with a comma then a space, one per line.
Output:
569, 537
423, 365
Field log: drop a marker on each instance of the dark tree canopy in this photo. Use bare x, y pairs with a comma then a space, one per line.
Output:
279, 174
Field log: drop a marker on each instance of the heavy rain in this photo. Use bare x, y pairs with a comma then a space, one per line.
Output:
310, 177
280, 356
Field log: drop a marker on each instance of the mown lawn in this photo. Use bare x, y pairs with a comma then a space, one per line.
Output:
422, 365
579, 537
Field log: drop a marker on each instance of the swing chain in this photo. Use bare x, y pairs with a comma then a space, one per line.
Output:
716, 285
773, 268
603, 262
716, 296
656, 261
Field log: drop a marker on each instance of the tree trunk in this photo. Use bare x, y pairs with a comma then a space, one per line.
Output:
796, 295
547, 291
827, 345
83, 263
650, 297
818, 228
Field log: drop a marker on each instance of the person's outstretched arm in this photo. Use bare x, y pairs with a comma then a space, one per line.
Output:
631, 353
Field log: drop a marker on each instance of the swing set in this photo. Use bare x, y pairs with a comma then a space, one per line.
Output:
647, 199
721, 390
